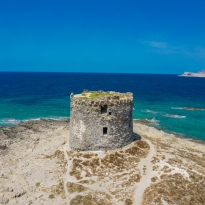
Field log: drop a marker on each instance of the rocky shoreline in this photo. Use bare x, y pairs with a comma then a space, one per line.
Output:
38, 167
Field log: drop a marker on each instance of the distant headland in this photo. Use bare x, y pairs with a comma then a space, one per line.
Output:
190, 74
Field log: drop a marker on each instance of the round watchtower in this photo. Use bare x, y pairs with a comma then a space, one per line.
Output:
101, 120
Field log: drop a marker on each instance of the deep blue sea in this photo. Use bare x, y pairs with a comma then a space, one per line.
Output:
158, 98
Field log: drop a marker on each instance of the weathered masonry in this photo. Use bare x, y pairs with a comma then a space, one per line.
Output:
101, 120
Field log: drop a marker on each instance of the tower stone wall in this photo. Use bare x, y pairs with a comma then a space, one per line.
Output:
101, 120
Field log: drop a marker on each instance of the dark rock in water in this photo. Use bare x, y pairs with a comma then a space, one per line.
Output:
142, 121
192, 108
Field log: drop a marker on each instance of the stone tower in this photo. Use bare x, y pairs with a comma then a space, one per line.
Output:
101, 120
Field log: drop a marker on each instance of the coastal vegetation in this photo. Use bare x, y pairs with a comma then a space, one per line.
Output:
100, 94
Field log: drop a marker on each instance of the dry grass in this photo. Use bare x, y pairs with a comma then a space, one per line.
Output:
110, 167
128, 202
119, 169
51, 196
54, 190
175, 189
88, 200
73, 187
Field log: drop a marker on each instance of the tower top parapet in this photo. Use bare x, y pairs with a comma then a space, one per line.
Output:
101, 95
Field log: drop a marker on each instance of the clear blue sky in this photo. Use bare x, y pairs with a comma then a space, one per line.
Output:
146, 36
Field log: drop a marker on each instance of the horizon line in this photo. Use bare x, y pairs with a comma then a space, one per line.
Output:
88, 72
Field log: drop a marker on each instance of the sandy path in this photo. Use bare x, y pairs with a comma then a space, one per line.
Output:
146, 179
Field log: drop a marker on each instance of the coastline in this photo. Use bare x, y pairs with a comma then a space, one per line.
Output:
161, 135
38, 167
149, 123
26, 105
155, 125
194, 76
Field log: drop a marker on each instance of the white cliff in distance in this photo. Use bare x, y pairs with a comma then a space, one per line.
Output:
191, 74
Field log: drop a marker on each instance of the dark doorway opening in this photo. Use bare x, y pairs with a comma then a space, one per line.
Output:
103, 109
110, 113
104, 130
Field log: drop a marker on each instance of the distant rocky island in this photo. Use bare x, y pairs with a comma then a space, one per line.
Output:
190, 74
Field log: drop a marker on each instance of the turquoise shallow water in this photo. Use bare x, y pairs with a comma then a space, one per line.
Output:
158, 98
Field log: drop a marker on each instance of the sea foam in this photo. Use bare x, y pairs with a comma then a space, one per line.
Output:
177, 108
10, 121
174, 116
149, 111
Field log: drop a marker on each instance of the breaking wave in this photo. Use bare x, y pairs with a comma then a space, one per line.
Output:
12, 121
9, 122
55, 118
187, 108
153, 120
164, 114
174, 116
150, 111
47, 118
177, 108
147, 121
